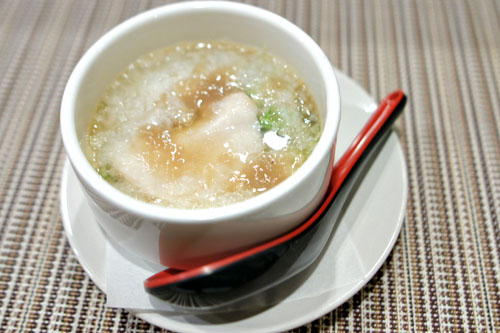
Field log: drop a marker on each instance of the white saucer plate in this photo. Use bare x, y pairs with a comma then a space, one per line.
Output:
364, 235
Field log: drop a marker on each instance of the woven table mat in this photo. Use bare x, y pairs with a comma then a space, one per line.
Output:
444, 271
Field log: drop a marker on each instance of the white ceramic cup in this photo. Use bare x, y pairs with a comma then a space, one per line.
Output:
184, 238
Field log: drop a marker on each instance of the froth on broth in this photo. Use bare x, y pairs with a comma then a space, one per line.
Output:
202, 124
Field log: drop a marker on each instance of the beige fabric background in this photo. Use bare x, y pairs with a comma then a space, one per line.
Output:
444, 271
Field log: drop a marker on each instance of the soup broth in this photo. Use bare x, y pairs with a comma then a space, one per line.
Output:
202, 124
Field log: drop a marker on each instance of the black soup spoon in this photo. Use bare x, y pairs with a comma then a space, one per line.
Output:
247, 273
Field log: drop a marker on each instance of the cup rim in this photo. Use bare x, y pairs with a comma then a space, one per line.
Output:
236, 210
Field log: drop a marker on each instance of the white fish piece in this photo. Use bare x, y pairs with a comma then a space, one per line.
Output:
207, 154
231, 128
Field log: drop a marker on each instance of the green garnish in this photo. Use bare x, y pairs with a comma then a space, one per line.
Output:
101, 105
271, 120
108, 174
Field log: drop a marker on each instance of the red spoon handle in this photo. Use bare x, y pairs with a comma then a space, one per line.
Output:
364, 138
373, 127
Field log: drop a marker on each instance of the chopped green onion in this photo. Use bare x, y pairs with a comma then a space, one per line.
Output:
271, 120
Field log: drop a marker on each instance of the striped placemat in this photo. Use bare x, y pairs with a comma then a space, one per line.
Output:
444, 271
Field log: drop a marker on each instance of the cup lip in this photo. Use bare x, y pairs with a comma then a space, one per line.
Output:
120, 200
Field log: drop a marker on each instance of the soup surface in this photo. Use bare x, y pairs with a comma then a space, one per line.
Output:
202, 124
